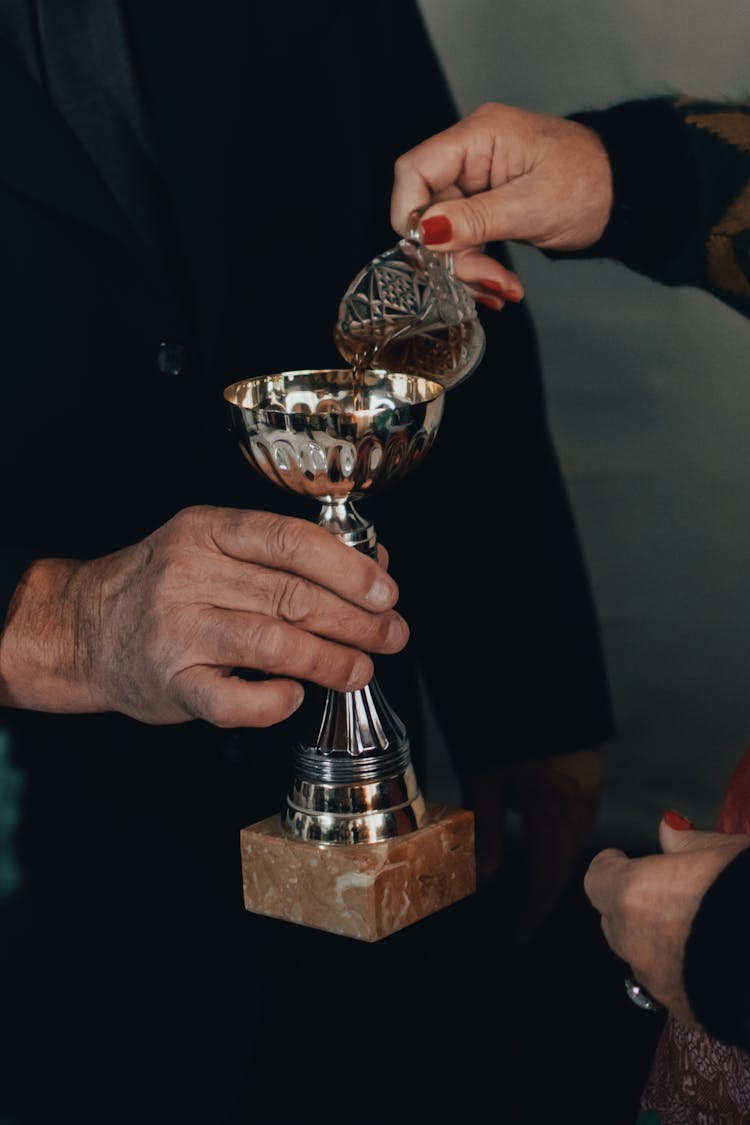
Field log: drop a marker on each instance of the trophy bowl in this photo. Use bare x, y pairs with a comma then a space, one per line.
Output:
335, 435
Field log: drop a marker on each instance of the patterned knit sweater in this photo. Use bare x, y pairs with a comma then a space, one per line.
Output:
681, 215
681, 172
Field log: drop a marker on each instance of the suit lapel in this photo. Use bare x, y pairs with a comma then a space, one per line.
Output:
90, 77
43, 159
91, 156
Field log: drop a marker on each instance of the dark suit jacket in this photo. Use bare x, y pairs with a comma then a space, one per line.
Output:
274, 131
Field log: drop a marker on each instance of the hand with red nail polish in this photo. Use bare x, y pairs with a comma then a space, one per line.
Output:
436, 230
677, 821
505, 174
493, 295
647, 905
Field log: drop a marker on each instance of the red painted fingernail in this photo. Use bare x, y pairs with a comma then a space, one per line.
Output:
494, 303
677, 820
436, 229
506, 294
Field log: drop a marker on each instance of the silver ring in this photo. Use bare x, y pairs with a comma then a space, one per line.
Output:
641, 996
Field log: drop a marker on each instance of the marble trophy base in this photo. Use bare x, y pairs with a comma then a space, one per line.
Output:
363, 891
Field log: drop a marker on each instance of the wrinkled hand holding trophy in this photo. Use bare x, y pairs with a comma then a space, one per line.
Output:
357, 850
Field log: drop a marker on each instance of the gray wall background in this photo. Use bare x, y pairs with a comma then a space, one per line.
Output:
649, 399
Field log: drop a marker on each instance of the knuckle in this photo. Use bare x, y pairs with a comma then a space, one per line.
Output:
293, 598
339, 667
269, 644
288, 538
199, 525
186, 522
402, 164
476, 220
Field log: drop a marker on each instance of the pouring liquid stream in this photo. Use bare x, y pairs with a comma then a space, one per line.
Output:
407, 312
398, 344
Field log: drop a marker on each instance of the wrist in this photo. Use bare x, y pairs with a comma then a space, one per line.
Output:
653, 184
46, 646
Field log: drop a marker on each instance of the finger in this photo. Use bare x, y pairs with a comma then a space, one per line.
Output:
485, 276
229, 639
227, 701
301, 547
602, 877
689, 839
233, 586
519, 210
532, 208
426, 171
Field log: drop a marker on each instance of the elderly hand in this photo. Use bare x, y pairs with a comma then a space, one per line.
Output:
648, 905
155, 630
505, 174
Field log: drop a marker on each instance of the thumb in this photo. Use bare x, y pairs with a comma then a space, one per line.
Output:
457, 224
676, 834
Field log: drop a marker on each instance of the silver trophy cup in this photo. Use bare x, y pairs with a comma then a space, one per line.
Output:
335, 436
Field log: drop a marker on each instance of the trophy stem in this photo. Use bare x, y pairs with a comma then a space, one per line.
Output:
353, 781
341, 518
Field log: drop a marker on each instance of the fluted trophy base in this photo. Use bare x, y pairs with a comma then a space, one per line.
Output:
352, 780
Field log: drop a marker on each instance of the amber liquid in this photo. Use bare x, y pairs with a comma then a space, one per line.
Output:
441, 352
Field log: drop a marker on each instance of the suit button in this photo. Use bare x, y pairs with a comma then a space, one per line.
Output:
170, 358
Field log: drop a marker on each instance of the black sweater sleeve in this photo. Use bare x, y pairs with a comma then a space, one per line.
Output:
681, 178
717, 956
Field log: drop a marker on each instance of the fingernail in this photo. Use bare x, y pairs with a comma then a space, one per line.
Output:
508, 294
677, 821
398, 632
361, 674
495, 286
493, 303
381, 594
298, 696
436, 229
